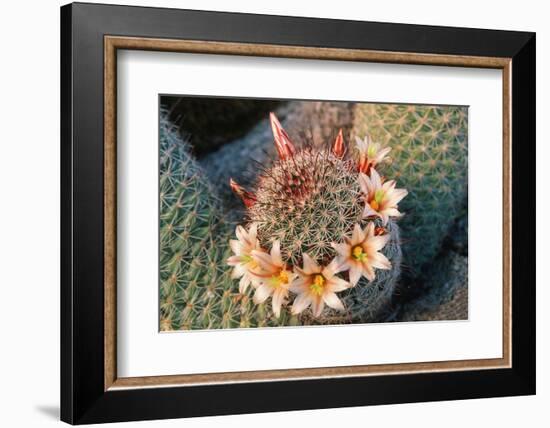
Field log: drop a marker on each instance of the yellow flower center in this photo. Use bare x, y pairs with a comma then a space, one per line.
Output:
377, 200
371, 152
379, 195
283, 277
374, 205
318, 285
358, 253
280, 279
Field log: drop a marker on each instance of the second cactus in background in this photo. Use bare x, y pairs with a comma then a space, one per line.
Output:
429, 156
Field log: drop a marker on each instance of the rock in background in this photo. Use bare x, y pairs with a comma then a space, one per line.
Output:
441, 292
446, 292
209, 123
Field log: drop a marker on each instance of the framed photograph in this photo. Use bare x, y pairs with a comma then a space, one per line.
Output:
265, 213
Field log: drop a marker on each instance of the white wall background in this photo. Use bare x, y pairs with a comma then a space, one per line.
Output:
29, 215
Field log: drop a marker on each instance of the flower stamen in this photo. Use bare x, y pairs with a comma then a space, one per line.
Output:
374, 205
358, 253
318, 285
283, 277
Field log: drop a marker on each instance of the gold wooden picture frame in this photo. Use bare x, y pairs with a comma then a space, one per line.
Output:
114, 43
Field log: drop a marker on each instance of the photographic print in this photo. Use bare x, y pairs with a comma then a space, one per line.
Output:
277, 213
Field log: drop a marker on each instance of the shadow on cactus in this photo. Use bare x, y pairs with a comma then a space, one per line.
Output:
320, 241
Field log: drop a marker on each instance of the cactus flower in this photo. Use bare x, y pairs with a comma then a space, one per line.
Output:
360, 254
248, 198
370, 153
273, 276
381, 199
243, 263
283, 144
338, 146
316, 286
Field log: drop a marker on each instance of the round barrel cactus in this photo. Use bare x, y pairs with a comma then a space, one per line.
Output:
316, 122
319, 239
429, 156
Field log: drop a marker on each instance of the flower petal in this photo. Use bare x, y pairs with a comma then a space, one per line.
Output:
364, 183
262, 293
310, 266
377, 242
388, 187
360, 144
375, 179
277, 301
369, 212
253, 232
243, 237
391, 212
276, 258
355, 273
357, 235
238, 271
337, 284
300, 303
333, 301
264, 260
299, 285
380, 261
332, 268
343, 249
236, 247
317, 305
244, 283
344, 264
382, 154
234, 260
369, 230
368, 271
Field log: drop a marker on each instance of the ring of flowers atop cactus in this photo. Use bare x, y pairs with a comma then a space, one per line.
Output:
312, 231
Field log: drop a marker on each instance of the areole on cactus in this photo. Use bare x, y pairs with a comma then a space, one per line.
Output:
319, 232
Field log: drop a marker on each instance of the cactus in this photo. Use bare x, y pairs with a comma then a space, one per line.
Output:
196, 290
191, 282
429, 157
317, 206
307, 201
239, 159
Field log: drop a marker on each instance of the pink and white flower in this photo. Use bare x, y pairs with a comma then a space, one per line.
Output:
381, 199
244, 265
361, 254
370, 153
316, 286
273, 276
